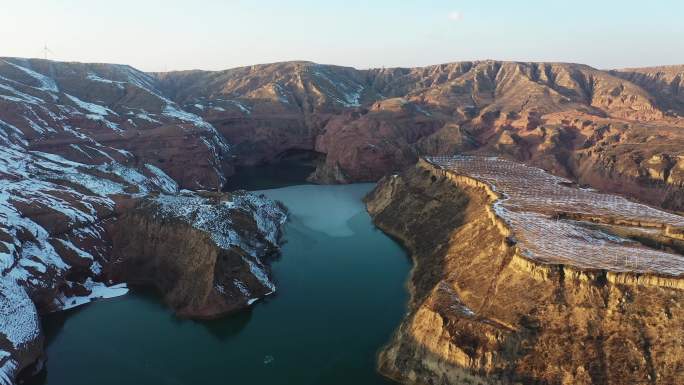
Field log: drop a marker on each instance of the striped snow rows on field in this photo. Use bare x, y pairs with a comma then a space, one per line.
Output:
531, 198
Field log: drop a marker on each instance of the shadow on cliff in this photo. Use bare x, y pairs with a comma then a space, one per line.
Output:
222, 328
290, 168
422, 211
225, 328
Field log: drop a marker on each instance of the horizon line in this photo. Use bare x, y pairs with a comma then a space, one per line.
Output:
304, 61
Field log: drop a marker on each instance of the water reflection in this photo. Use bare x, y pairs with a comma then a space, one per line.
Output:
340, 295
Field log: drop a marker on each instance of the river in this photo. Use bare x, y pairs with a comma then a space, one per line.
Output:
341, 293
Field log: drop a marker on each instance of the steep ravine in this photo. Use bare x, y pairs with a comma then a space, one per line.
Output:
481, 314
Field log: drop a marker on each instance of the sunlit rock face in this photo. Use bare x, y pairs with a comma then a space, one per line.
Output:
83, 146
554, 222
601, 128
523, 277
665, 83
570, 119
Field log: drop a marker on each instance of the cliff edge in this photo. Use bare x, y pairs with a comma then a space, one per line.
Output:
483, 310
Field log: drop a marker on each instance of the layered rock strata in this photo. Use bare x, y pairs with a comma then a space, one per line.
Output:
490, 304
205, 253
619, 131
93, 160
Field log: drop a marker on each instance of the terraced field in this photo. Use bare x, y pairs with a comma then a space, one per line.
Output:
555, 222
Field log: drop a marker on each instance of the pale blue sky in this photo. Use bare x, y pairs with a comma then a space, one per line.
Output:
213, 34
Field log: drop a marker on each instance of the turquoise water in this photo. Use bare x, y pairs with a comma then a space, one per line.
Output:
340, 295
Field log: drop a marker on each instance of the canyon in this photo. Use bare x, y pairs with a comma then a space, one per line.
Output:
112, 176
519, 278
618, 130
85, 210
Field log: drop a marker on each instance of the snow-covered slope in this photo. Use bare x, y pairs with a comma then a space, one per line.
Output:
79, 145
98, 113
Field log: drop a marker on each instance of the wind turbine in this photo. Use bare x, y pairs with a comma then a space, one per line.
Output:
46, 51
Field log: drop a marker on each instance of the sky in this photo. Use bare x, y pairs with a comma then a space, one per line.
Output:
154, 35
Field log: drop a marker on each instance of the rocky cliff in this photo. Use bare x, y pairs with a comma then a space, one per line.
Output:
205, 253
107, 113
93, 160
487, 308
666, 83
618, 130
86, 147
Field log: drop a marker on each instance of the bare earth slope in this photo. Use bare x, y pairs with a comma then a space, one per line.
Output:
666, 83
618, 130
93, 162
514, 284
96, 113
95, 158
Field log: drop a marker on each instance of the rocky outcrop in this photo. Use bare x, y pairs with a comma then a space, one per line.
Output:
597, 127
482, 313
665, 82
83, 146
205, 254
364, 147
594, 126
21, 340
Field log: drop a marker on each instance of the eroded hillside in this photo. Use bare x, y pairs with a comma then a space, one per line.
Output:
87, 147
93, 166
617, 130
521, 277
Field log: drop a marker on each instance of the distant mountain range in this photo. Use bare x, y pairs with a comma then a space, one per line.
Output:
571, 119
82, 143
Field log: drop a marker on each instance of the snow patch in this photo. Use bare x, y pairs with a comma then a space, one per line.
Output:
98, 290
147, 117
7, 369
215, 219
241, 287
19, 320
46, 83
173, 112
96, 112
93, 77
18, 96
344, 91
244, 108
163, 181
